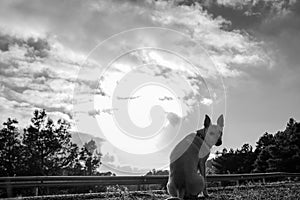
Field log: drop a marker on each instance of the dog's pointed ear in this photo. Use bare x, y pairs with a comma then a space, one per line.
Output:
220, 121
207, 121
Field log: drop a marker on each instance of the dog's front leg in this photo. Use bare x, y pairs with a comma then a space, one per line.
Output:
202, 169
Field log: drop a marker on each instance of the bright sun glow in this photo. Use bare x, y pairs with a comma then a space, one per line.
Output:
147, 97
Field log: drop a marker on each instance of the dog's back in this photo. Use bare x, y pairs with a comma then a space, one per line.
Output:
183, 168
189, 155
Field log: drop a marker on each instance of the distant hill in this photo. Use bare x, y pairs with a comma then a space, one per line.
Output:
80, 138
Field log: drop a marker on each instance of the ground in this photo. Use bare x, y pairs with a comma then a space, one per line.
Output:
274, 191
280, 191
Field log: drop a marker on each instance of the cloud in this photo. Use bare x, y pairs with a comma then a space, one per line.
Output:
44, 44
249, 8
126, 98
206, 101
13, 109
96, 112
281, 32
228, 49
269, 27
110, 162
108, 158
166, 98
95, 24
123, 169
40, 64
93, 113
275, 22
109, 110
173, 118
35, 47
49, 51
35, 72
81, 138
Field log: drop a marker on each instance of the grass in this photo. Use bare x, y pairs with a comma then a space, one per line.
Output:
274, 191
280, 191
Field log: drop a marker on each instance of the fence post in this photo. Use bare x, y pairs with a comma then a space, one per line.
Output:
9, 189
36, 191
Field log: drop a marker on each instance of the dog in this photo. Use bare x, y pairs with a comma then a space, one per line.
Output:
189, 156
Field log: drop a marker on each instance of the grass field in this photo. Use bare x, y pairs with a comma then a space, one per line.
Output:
274, 191
280, 191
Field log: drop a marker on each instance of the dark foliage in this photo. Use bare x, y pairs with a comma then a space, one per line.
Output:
44, 148
10, 149
157, 172
279, 152
235, 162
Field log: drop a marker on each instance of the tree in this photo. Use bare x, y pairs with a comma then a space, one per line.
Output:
157, 172
88, 160
233, 162
247, 157
109, 173
225, 162
261, 162
10, 149
285, 153
90, 146
262, 152
280, 152
48, 145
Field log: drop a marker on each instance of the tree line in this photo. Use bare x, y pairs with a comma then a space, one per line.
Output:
44, 148
273, 153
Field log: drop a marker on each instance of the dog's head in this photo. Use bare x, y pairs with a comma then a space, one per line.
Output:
212, 133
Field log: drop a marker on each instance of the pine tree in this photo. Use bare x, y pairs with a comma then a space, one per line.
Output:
87, 161
235, 162
226, 162
285, 153
90, 157
263, 153
10, 149
48, 145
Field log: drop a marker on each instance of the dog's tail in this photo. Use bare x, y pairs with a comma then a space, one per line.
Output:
181, 193
179, 196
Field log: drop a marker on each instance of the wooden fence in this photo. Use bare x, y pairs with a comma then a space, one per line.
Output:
57, 181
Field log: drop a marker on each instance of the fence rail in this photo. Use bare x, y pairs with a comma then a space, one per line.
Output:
57, 181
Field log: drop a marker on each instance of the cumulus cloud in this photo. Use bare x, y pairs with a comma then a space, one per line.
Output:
44, 44
173, 119
108, 158
34, 72
223, 46
206, 101
227, 48
275, 22
249, 7
192, 20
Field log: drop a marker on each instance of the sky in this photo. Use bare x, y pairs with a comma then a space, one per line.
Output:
142, 74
